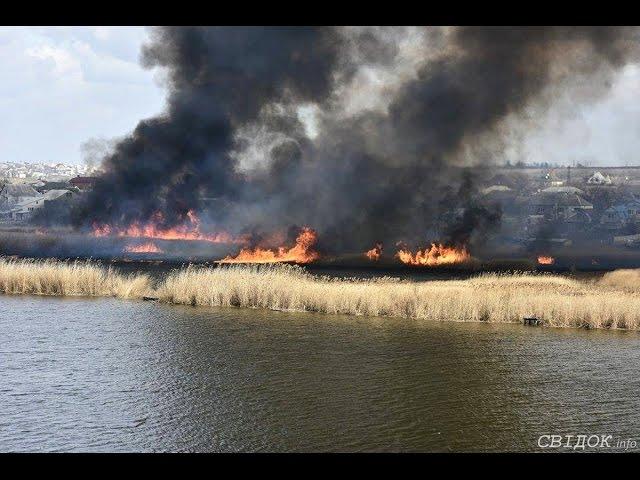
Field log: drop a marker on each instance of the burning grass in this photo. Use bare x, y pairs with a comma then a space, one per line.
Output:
435, 255
375, 253
189, 230
301, 252
546, 260
612, 302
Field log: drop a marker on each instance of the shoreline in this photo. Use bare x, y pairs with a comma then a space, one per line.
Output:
611, 302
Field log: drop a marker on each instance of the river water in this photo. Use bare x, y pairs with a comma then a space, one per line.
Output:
112, 375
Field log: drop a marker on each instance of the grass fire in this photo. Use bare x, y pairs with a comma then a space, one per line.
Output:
435, 255
189, 229
375, 253
546, 260
305, 168
319, 238
302, 252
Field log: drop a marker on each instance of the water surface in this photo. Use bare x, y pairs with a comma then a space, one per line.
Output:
112, 375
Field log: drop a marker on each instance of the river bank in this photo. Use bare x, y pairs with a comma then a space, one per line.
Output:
609, 302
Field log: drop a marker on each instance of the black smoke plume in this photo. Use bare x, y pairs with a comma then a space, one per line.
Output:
218, 79
406, 171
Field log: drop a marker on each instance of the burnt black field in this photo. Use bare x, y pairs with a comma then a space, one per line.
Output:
71, 245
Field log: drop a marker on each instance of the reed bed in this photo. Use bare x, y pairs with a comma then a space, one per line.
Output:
611, 302
79, 278
501, 298
624, 279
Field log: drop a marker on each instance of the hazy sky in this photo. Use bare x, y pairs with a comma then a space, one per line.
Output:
62, 86
606, 132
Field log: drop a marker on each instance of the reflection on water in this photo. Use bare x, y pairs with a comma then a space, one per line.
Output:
107, 375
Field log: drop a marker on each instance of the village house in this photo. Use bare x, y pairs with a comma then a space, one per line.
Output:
621, 215
11, 194
563, 189
503, 196
599, 179
555, 206
83, 183
25, 209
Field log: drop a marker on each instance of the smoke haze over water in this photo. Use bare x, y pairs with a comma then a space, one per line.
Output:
361, 133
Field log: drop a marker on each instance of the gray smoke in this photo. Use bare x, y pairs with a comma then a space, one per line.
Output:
219, 79
394, 167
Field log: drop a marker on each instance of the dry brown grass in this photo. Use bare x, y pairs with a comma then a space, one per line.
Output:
625, 279
556, 301
79, 278
612, 302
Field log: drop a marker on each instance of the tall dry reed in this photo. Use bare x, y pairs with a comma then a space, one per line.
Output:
612, 302
79, 278
624, 279
556, 301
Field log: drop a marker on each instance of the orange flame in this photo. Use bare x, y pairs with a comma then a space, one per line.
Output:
188, 231
148, 247
437, 254
301, 252
546, 260
374, 253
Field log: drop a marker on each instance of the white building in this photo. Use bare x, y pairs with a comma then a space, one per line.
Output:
599, 179
25, 209
12, 194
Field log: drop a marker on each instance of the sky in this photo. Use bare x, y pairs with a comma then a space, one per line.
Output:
601, 133
63, 86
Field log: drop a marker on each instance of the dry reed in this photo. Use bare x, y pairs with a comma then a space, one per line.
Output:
554, 300
612, 302
79, 278
625, 279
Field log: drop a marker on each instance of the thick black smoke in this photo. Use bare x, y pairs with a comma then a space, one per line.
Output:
218, 79
399, 173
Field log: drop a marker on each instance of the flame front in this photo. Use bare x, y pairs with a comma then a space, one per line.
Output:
190, 230
437, 254
546, 260
148, 247
301, 252
374, 253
